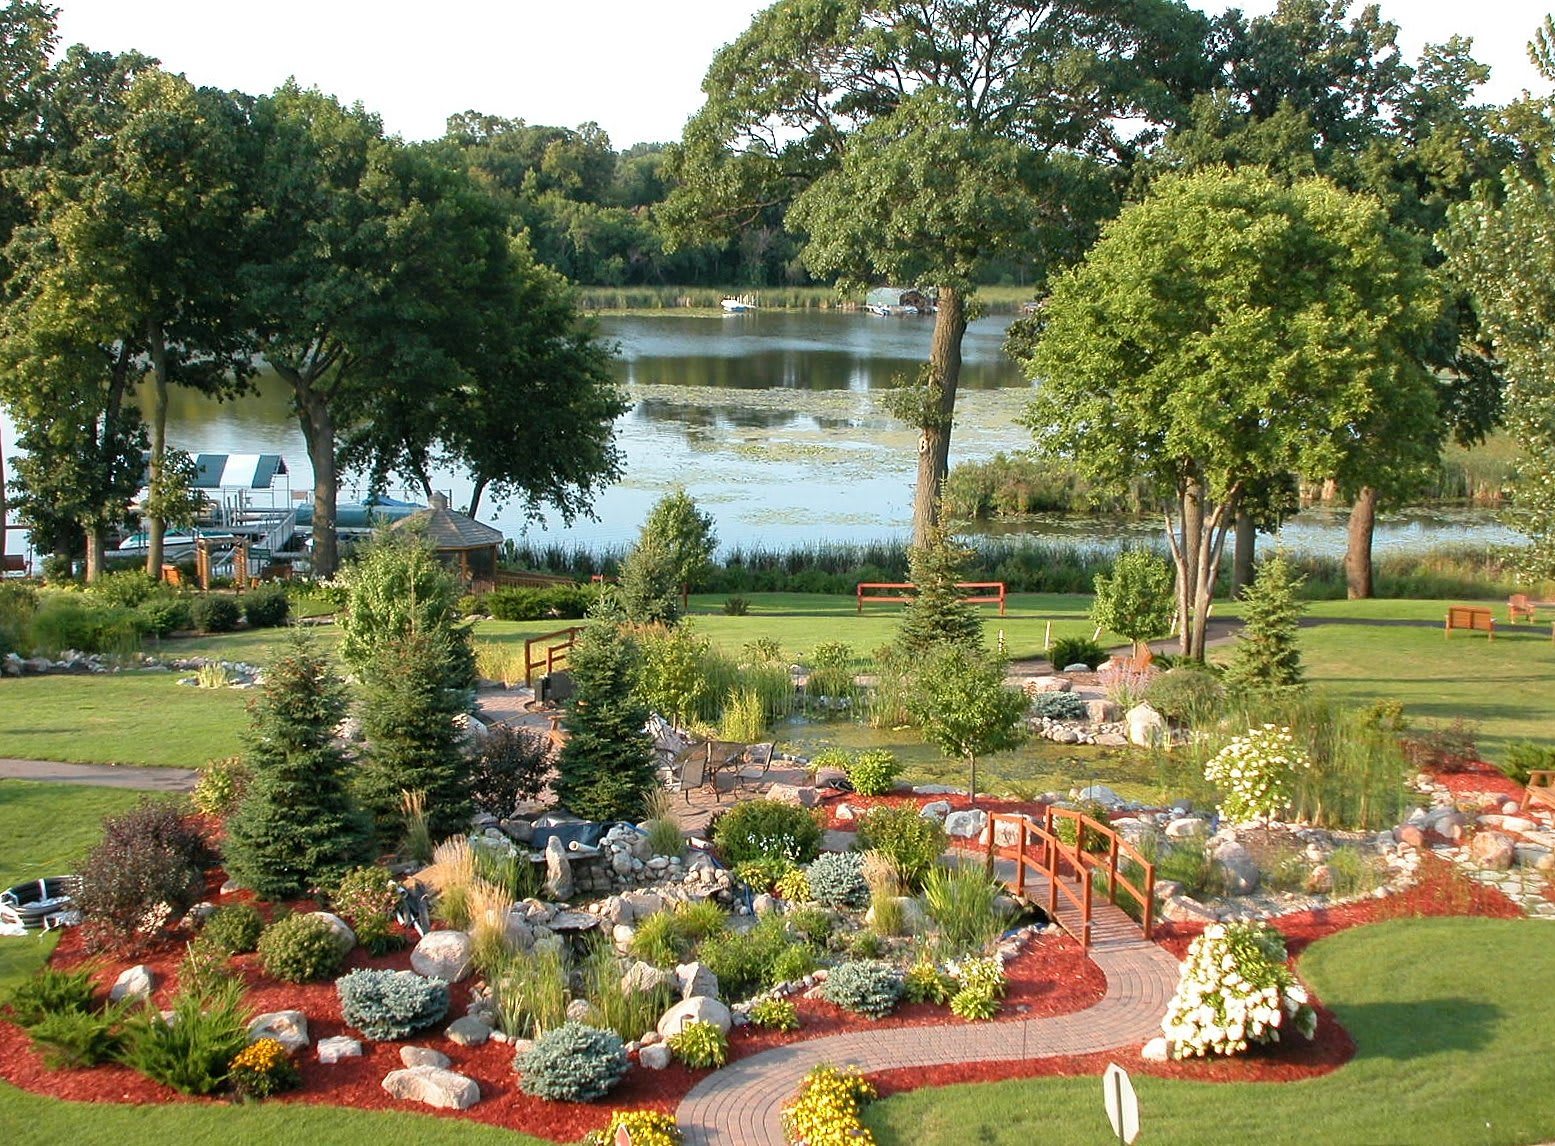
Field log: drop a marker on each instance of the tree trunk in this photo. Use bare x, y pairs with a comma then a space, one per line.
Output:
1244, 554
972, 792
156, 528
5, 532
95, 552
1357, 554
318, 431
934, 434
1192, 545
475, 496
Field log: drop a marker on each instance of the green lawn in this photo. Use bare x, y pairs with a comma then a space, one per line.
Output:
1451, 1018
130, 718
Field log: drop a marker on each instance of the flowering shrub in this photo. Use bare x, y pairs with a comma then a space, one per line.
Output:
1254, 772
261, 1069
759, 829
825, 1112
646, 1128
982, 983
775, 1014
368, 897
700, 1045
1235, 989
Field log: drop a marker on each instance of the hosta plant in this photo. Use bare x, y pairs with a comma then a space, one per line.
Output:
982, 984
700, 1045
1254, 772
1235, 990
775, 1014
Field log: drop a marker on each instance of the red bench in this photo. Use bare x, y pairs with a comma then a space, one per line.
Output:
907, 590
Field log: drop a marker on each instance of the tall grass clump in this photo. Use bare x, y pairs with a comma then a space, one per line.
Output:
630, 1013
454, 876
418, 836
885, 879
744, 717
498, 661
964, 903
664, 835
529, 991
489, 909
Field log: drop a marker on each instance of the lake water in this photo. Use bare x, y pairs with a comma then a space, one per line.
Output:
772, 421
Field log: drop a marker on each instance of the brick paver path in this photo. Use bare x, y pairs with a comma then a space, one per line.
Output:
741, 1105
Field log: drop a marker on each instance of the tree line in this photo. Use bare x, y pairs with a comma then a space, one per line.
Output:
1239, 228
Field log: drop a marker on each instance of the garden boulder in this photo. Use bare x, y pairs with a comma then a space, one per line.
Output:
699, 1009
337, 1047
558, 870
442, 955
1146, 726
642, 976
469, 1031
655, 1057
1493, 850
289, 1028
423, 1056
345, 938
433, 1086
133, 983
696, 979
966, 825
1237, 867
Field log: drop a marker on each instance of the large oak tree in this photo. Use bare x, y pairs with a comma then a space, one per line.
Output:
1226, 329
917, 140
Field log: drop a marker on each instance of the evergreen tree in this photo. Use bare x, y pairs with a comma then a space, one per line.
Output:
297, 827
938, 616
605, 770
650, 582
413, 742
1266, 657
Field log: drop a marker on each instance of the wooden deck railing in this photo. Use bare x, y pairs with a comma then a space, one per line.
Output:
1069, 868
906, 590
554, 648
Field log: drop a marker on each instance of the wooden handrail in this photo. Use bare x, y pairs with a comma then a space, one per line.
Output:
553, 653
1040, 848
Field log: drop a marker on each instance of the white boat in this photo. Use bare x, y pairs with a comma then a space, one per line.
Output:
736, 305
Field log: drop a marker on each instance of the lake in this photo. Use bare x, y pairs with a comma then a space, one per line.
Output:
772, 422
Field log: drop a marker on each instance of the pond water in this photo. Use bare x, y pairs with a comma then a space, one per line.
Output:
772, 421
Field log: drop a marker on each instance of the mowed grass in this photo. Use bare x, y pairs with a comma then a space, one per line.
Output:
45, 829
1451, 1019
127, 718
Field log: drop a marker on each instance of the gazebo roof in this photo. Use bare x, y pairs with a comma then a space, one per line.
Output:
448, 529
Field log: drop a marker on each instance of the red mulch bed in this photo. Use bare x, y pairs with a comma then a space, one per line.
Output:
1475, 777
1051, 976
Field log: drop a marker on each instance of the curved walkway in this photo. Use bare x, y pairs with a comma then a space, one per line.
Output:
741, 1105
145, 779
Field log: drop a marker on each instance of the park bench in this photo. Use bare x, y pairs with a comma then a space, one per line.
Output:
13, 563
1540, 789
1471, 617
905, 591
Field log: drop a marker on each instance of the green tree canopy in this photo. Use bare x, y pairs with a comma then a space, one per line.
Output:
1136, 600
960, 703
915, 141
1226, 329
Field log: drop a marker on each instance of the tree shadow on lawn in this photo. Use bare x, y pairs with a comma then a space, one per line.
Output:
1400, 1031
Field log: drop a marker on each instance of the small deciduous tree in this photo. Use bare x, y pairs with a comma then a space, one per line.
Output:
938, 616
1266, 656
297, 827
650, 583
672, 681
962, 707
1136, 601
397, 587
605, 770
685, 534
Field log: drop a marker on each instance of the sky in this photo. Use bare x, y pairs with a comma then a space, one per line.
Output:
632, 66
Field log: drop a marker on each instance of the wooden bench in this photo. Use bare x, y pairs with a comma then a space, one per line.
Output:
1540, 789
13, 563
907, 591
1471, 617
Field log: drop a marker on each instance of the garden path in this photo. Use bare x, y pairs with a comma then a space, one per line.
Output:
102, 775
741, 1105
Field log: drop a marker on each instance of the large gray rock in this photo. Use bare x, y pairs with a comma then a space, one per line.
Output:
558, 870
698, 1009
1146, 726
345, 938
1050, 684
337, 1047
1187, 828
289, 1028
642, 976
423, 1056
133, 983
655, 1057
804, 795
468, 1031
638, 905
696, 979
1103, 711
1100, 794
966, 825
1182, 909
1237, 867
442, 955
433, 1086
935, 810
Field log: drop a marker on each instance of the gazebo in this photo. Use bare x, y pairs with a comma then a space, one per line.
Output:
458, 539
